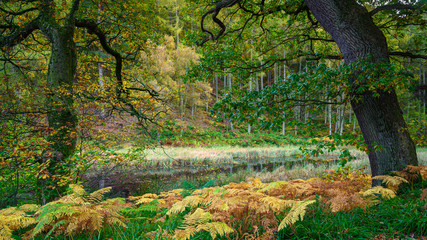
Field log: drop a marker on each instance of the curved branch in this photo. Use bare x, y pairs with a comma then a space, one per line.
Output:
92, 28
19, 34
215, 11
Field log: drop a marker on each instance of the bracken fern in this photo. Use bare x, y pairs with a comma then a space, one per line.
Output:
78, 212
14, 218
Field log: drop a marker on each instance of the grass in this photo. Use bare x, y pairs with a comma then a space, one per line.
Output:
403, 217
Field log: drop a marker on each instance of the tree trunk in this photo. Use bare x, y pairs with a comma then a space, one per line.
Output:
380, 118
61, 117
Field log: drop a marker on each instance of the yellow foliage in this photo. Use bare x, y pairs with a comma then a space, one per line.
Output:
379, 192
392, 182
274, 186
76, 212
144, 201
275, 204
13, 218
191, 201
199, 221
199, 216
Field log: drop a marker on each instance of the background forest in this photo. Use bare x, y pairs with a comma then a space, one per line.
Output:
176, 101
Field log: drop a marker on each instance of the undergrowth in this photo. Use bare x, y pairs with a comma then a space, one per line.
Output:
340, 204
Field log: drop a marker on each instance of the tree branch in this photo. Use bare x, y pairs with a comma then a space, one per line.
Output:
19, 35
215, 11
397, 6
408, 55
92, 28
20, 12
71, 15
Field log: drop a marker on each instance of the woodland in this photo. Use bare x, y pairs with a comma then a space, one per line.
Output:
202, 119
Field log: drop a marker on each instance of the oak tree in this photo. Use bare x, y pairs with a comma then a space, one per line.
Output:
352, 26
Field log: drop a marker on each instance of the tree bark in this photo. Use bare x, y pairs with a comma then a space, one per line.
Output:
61, 117
390, 146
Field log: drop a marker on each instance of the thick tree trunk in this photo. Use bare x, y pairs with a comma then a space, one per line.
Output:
61, 117
380, 117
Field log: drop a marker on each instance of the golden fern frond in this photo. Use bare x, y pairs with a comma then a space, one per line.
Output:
379, 192
29, 207
159, 234
273, 186
74, 214
220, 206
297, 212
199, 216
256, 183
12, 219
150, 195
275, 204
10, 211
144, 200
191, 201
215, 228
5, 232
115, 201
98, 195
172, 193
77, 189
146, 196
184, 234
392, 182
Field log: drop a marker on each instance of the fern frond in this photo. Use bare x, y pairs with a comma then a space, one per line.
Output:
274, 186
29, 207
150, 195
9, 211
144, 200
173, 193
179, 206
98, 195
74, 213
199, 216
5, 232
379, 191
296, 213
77, 190
392, 182
184, 234
215, 228
12, 219
275, 204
